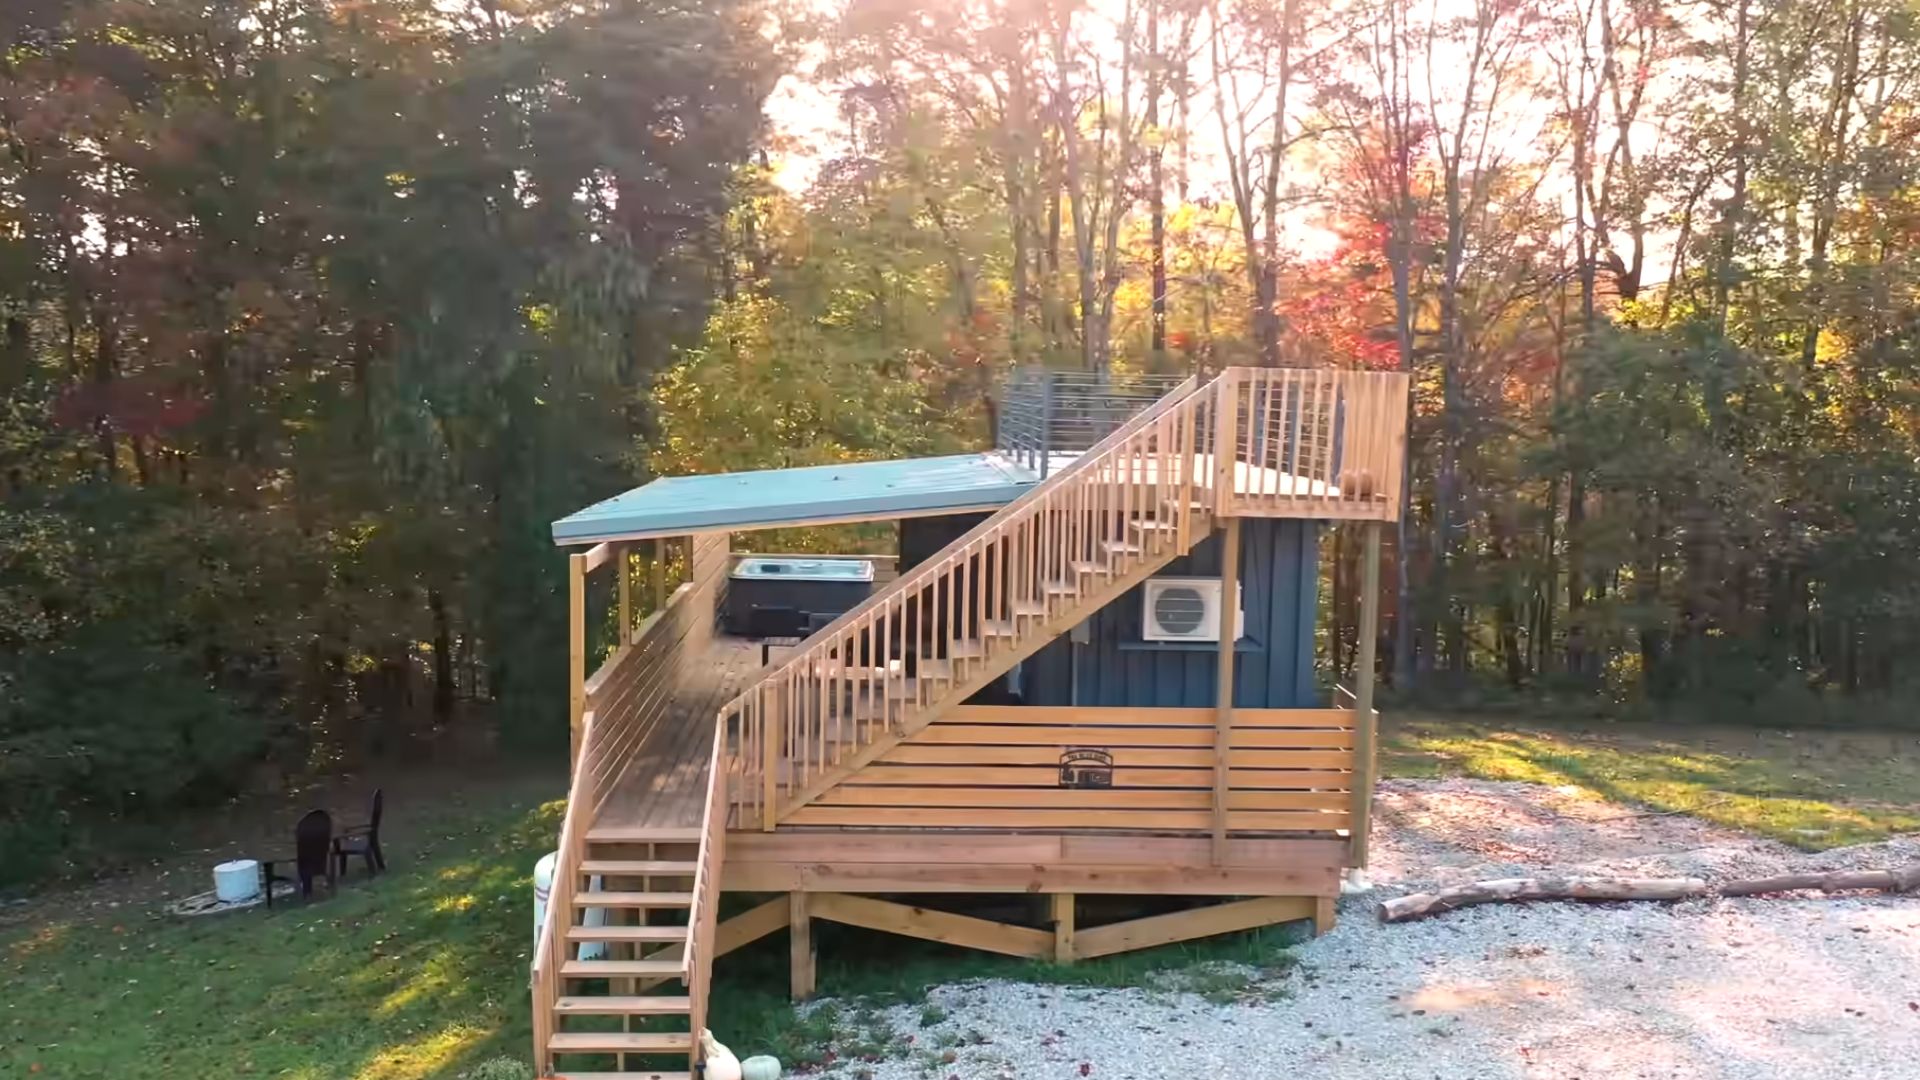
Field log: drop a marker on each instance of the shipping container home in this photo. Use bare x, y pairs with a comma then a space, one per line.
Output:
1088, 671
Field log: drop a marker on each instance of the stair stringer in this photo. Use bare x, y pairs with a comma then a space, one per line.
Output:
1034, 637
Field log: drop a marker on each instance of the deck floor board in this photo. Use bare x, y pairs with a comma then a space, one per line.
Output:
665, 783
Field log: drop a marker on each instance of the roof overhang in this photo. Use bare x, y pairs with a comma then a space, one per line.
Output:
808, 495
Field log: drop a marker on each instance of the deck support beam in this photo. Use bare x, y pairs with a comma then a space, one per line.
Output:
576, 656
1063, 936
1223, 686
800, 954
743, 929
928, 924
1156, 930
1363, 721
1322, 915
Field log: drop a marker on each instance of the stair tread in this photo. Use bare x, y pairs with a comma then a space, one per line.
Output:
633, 899
631, 1042
672, 867
998, 628
1121, 547
613, 1005
1026, 607
967, 650
1061, 588
600, 969
1153, 525
642, 834
626, 933
1087, 566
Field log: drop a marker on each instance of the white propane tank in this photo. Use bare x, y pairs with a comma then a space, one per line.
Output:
543, 891
237, 881
542, 888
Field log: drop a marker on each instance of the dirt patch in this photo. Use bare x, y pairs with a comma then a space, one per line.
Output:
1445, 831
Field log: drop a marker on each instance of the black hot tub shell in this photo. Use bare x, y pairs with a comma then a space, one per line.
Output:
820, 588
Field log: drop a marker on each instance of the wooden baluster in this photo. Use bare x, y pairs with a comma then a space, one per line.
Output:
882, 684
1189, 420
763, 711
1276, 442
793, 753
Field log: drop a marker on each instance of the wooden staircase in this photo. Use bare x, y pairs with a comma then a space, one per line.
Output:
626, 935
946, 629
625, 955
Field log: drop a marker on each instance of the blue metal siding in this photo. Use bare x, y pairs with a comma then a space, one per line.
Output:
1273, 664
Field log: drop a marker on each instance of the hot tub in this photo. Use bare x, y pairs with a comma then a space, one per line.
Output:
814, 587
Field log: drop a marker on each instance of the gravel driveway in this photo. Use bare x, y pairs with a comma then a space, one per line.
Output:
1735, 988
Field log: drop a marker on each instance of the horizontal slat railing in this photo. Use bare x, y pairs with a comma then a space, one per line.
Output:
621, 704
1002, 767
872, 672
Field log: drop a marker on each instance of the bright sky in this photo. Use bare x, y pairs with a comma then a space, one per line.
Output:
804, 111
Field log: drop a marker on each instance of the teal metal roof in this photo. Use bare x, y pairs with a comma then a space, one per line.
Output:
815, 494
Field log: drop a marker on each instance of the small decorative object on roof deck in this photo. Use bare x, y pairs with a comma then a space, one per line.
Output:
718, 1062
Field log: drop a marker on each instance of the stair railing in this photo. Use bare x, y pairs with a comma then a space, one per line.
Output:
703, 916
868, 672
550, 950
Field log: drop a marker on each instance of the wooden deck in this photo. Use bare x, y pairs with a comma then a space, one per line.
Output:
664, 785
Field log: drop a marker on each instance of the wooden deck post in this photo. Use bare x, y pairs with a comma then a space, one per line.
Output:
1063, 949
774, 729
1223, 685
657, 573
1363, 733
576, 655
1226, 442
621, 566
800, 946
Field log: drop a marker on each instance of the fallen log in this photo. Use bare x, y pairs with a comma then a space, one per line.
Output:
1606, 889
1512, 890
1905, 879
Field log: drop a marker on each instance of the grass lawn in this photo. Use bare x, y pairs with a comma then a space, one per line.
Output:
423, 973
1811, 788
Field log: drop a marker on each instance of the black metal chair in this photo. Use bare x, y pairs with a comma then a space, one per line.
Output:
363, 840
312, 856
775, 625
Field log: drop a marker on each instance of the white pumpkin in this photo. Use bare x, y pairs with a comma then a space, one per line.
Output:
719, 1064
761, 1067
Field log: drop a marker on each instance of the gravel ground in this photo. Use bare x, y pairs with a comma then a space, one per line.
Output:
1734, 988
